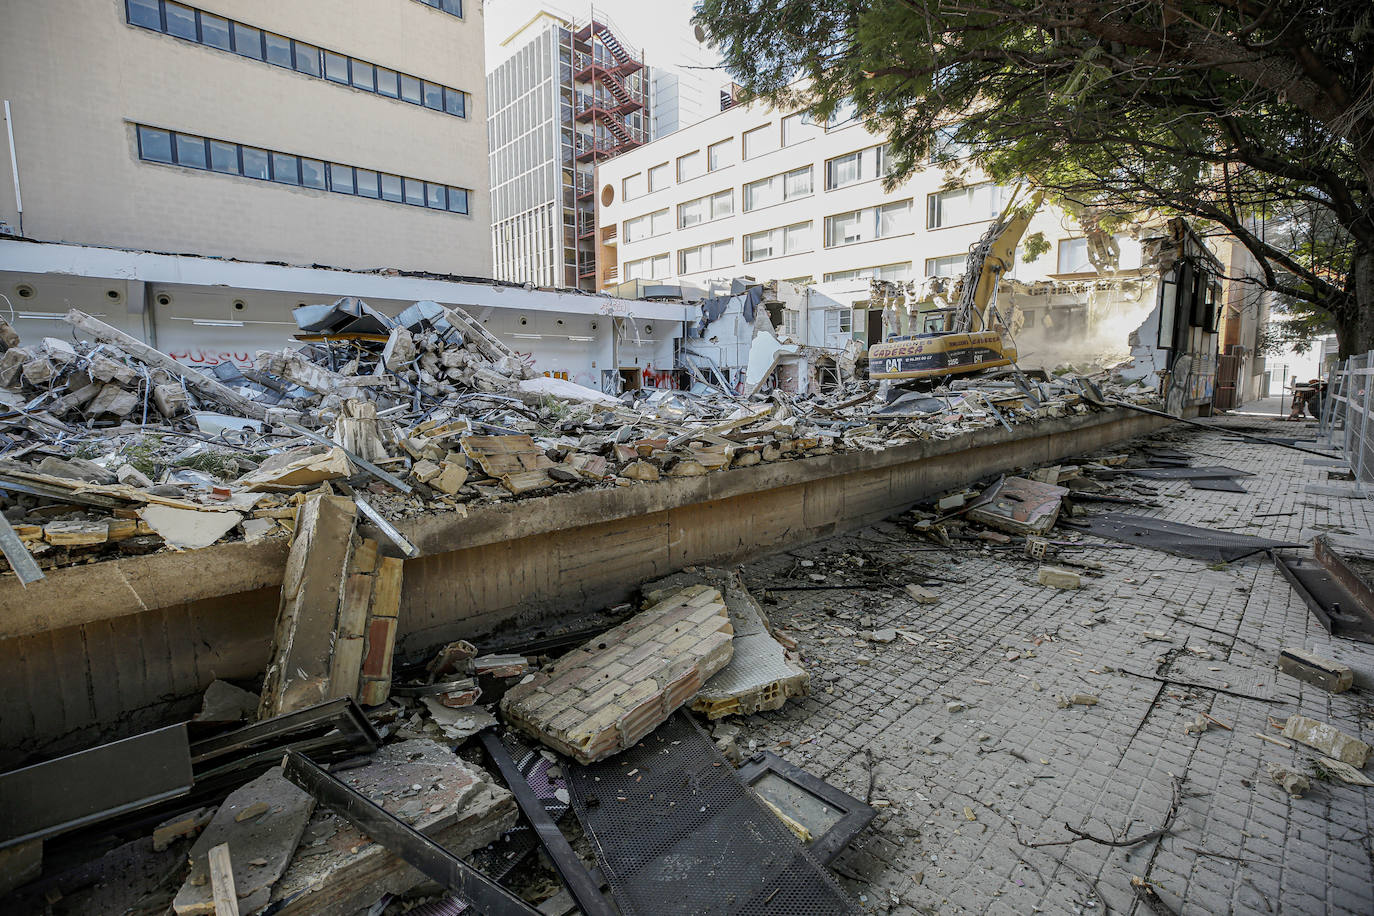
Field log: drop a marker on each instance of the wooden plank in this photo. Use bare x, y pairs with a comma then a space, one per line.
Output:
386, 592
222, 881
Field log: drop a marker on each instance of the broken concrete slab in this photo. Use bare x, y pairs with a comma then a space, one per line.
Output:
189, 529
1293, 782
183, 825
261, 845
1312, 668
1328, 739
602, 698
1058, 577
761, 674
312, 592
304, 467
339, 870
224, 703
1017, 505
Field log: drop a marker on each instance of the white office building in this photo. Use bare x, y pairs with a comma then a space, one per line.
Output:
771, 195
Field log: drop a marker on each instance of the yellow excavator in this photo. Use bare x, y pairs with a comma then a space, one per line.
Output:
970, 337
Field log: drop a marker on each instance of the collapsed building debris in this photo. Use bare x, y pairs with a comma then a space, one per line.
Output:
609, 694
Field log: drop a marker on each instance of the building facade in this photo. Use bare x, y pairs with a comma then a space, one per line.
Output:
569, 98
317, 131
773, 195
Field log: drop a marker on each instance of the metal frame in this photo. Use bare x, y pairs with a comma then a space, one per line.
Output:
584, 889
410, 845
94, 785
1347, 406
341, 716
857, 814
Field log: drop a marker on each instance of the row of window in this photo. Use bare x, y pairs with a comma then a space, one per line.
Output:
214, 31
191, 151
792, 129
452, 7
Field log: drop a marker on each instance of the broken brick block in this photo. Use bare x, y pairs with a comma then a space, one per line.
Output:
1058, 577
610, 693
1323, 672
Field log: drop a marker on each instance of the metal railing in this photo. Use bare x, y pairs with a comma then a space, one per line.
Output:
1345, 414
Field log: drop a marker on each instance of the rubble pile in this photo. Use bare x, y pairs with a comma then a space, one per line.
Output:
111, 447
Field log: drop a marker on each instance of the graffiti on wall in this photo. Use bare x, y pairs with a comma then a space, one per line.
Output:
197, 357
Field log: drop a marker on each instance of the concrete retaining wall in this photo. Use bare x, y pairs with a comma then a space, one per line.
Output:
100, 651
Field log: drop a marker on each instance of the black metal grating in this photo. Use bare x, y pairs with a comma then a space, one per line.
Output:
677, 832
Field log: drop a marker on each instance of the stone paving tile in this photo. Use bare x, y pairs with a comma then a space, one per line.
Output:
1022, 768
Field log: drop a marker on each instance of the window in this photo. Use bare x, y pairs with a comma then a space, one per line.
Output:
901, 271
191, 151
718, 155
387, 83
1073, 257
181, 21
760, 140
705, 257
457, 200
452, 7
456, 102
146, 13
839, 321
362, 75
658, 177
278, 50
773, 243
654, 268
964, 205
247, 41
946, 148
254, 163
224, 157
705, 209
797, 127
154, 145
851, 168
436, 197
367, 183
646, 226
868, 224
414, 192
284, 169
312, 174
843, 116
341, 179
434, 96
949, 266
790, 318
690, 165
633, 186
391, 187
186, 22
214, 31
777, 188
335, 67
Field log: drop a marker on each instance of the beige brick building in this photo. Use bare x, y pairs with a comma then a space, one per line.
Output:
310, 132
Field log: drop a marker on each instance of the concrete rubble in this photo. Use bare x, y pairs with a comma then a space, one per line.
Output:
114, 449
613, 691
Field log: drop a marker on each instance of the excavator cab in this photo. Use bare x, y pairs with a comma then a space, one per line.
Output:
937, 321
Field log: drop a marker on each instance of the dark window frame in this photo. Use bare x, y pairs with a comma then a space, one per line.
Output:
451, 101
432, 195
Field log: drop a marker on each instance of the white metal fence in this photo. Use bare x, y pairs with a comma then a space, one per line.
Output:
1345, 414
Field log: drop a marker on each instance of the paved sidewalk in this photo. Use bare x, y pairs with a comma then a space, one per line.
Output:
965, 795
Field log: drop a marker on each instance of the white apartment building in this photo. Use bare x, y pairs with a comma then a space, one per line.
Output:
771, 195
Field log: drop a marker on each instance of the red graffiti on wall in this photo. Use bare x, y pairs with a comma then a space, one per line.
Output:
206, 358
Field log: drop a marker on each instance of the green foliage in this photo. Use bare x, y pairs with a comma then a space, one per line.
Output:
1033, 246
1246, 116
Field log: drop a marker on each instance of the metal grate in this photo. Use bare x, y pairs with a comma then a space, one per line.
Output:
677, 832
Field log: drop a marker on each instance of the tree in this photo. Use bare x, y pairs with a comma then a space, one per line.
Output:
1253, 115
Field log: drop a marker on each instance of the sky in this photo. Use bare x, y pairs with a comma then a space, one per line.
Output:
661, 28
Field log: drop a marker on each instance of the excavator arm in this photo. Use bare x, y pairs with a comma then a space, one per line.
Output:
992, 259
